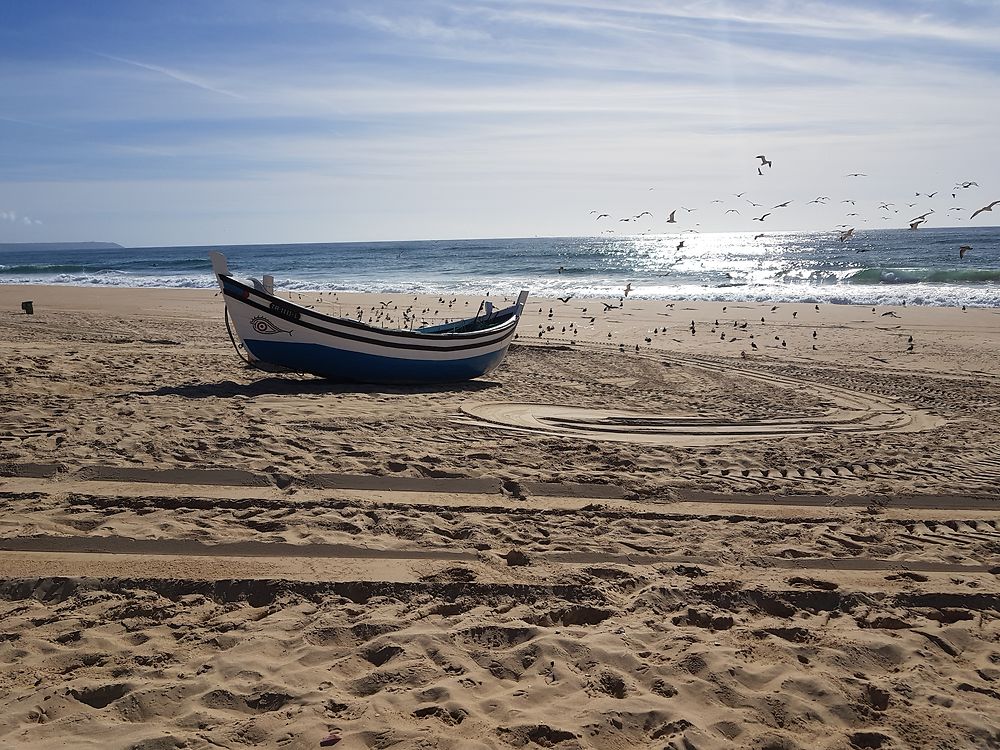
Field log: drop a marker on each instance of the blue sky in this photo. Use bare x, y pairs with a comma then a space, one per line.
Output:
243, 122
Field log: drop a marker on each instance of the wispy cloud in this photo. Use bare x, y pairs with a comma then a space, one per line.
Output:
175, 75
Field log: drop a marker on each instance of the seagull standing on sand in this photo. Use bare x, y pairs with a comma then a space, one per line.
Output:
984, 208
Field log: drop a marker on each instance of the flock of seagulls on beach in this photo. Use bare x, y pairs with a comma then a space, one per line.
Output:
886, 211
566, 323
560, 325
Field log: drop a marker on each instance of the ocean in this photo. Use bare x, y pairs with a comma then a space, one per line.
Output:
872, 267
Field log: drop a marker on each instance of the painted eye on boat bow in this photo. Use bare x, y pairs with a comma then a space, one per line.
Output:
263, 325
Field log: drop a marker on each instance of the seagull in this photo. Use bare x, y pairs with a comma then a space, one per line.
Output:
602, 216
856, 174
565, 299
848, 200
820, 199
761, 218
844, 236
922, 217
758, 236
740, 195
679, 245
969, 184
984, 208
671, 219
929, 195
606, 308
689, 210
718, 201
783, 205
916, 224
644, 213
628, 288
764, 161
732, 211
758, 205
963, 250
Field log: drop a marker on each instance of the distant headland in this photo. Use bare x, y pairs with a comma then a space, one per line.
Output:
61, 246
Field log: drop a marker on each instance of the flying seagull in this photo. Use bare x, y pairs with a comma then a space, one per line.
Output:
969, 184
732, 211
984, 208
602, 216
963, 250
764, 161
856, 174
922, 217
783, 205
758, 236
916, 224
761, 218
671, 219
679, 245
565, 299
844, 236
644, 213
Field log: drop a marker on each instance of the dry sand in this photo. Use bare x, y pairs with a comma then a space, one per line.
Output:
696, 544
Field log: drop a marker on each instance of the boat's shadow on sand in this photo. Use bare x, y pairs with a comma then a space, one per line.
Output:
283, 386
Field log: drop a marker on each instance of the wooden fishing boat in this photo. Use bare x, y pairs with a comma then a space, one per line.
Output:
277, 332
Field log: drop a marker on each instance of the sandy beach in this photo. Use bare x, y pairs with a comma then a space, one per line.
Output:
664, 525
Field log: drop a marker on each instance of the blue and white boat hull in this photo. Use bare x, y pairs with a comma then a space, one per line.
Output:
278, 332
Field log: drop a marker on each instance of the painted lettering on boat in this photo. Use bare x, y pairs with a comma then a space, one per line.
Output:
284, 311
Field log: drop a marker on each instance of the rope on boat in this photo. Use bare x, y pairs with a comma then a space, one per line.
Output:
232, 338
